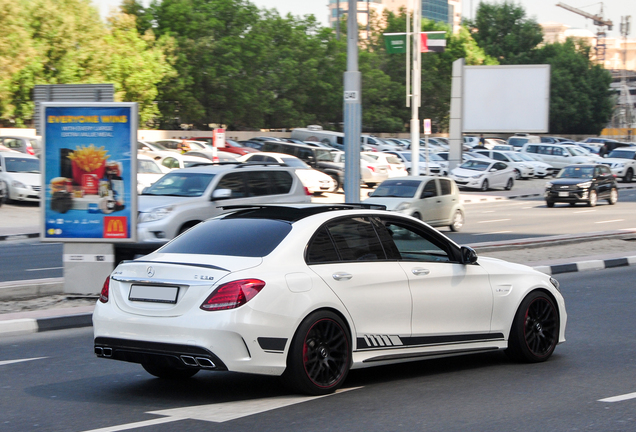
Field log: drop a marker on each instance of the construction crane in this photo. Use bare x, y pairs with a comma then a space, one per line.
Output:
600, 23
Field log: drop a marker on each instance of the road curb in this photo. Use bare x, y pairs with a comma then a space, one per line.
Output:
24, 326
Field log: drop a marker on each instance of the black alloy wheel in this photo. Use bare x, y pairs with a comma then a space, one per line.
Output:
535, 330
320, 355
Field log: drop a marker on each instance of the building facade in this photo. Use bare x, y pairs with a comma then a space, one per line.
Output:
446, 11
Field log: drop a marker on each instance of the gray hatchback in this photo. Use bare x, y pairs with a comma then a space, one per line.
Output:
435, 200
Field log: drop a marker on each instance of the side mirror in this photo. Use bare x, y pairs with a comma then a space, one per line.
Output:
469, 256
493, 169
221, 194
370, 193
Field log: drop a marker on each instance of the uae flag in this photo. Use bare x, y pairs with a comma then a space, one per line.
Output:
433, 41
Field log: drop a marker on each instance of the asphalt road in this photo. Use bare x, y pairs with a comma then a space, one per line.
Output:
53, 382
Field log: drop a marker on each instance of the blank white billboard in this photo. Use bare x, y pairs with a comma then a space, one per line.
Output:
506, 99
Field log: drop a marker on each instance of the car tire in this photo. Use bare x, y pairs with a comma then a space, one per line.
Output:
517, 174
613, 197
510, 184
336, 183
167, 372
319, 355
458, 221
549, 204
572, 204
535, 329
416, 215
484, 185
629, 176
593, 198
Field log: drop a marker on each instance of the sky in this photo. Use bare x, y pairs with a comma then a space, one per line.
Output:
541, 10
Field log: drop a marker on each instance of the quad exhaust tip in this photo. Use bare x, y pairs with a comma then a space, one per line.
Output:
198, 361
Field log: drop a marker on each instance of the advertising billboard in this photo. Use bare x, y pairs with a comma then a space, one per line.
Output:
89, 173
506, 98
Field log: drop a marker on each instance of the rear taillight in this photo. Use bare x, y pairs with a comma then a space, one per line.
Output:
30, 151
372, 168
307, 191
233, 294
105, 288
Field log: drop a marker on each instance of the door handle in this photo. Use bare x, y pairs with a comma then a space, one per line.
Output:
341, 276
420, 271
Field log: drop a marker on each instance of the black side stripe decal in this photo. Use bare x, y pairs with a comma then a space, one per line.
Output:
387, 341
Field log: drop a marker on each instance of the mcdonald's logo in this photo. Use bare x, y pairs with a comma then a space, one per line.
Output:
115, 227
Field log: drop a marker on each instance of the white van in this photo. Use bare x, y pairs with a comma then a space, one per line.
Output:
559, 155
336, 139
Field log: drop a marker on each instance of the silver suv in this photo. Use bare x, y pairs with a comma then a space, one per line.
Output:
184, 197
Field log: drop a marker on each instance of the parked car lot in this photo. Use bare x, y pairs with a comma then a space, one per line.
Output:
582, 183
484, 174
20, 176
315, 181
319, 291
434, 200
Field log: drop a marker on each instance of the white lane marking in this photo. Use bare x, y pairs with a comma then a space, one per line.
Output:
610, 221
44, 269
491, 211
496, 232
495, 220
584, 211
218, 413
619, 398
6, 362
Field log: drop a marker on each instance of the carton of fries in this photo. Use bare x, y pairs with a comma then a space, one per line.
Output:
88, 160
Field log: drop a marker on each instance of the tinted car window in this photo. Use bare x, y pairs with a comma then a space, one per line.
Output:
356, 240
235, 182
446, 186
233, 237
257, 183
321, 248
414, 244
280, 182
430, 189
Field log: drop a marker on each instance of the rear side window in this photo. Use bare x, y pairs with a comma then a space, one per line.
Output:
280, 182
233, 237
354, 239
532, 149
446, 186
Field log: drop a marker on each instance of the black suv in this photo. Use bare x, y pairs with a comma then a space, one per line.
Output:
582, 183
316, 157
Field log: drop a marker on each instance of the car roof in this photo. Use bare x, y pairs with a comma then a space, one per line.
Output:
293, 212
17, 154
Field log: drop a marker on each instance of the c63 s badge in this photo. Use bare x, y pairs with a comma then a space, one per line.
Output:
204, 277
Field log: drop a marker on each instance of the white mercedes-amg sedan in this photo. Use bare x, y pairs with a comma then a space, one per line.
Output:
308, 292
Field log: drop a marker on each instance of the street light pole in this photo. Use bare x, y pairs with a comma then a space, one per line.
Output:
416, 82
352, 109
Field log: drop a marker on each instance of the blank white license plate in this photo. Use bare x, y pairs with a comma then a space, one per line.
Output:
564, 194
153, 293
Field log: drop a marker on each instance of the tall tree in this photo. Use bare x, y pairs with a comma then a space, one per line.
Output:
580, 98
504, 32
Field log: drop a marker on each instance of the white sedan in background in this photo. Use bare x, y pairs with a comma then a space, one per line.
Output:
541, 169
315, 181
148, 172
483, 174
396, 167
175, 161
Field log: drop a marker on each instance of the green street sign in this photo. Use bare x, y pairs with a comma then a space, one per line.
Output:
395, 43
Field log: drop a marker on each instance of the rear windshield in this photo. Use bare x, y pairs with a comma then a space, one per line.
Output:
231, 237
